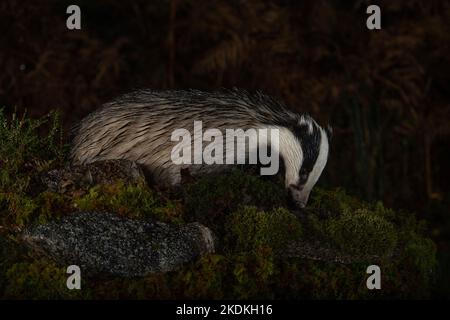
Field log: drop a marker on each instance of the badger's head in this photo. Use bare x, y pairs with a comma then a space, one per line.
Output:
306, 147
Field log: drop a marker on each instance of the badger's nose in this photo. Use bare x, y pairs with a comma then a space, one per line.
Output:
301, 204
300, 198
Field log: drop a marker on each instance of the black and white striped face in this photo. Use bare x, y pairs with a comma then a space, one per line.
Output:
314, 144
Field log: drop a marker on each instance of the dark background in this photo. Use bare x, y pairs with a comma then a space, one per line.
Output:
385, 92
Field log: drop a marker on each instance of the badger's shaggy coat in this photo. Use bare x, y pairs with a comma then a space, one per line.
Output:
138, 127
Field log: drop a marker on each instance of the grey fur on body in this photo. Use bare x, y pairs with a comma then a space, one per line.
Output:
138, 127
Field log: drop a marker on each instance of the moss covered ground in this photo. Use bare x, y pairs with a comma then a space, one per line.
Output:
251, 216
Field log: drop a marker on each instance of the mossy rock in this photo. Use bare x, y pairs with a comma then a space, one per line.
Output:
75, 180
328, 203
210, 199
247, 265
133, 201
357, 227
362, 233
249, 229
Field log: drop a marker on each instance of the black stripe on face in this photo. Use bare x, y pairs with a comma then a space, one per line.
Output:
310, 143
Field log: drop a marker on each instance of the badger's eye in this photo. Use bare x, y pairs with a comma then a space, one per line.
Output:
303, 175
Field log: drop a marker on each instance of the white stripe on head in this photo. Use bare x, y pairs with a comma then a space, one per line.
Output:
291, 152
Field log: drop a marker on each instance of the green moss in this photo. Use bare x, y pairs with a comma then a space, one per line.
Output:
298, 279
154, 286
40, 279
330, 202
211, 198
422, 253
362, 232
353, 226
203, 279
253, 274
17, 209
134, 201
249, 229
51, 206
23, 210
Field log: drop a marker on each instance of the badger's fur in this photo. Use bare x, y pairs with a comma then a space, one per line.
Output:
138, 127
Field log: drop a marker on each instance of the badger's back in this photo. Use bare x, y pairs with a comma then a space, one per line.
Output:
138, 126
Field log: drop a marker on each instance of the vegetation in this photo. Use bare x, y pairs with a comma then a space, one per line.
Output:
23, 155
254, 222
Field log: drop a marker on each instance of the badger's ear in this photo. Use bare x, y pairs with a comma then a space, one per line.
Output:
329, 132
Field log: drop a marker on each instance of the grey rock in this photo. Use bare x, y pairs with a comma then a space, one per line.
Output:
104, 243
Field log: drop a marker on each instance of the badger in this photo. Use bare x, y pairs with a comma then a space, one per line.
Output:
138, 126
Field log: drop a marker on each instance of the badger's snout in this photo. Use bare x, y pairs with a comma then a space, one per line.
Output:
299, 196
